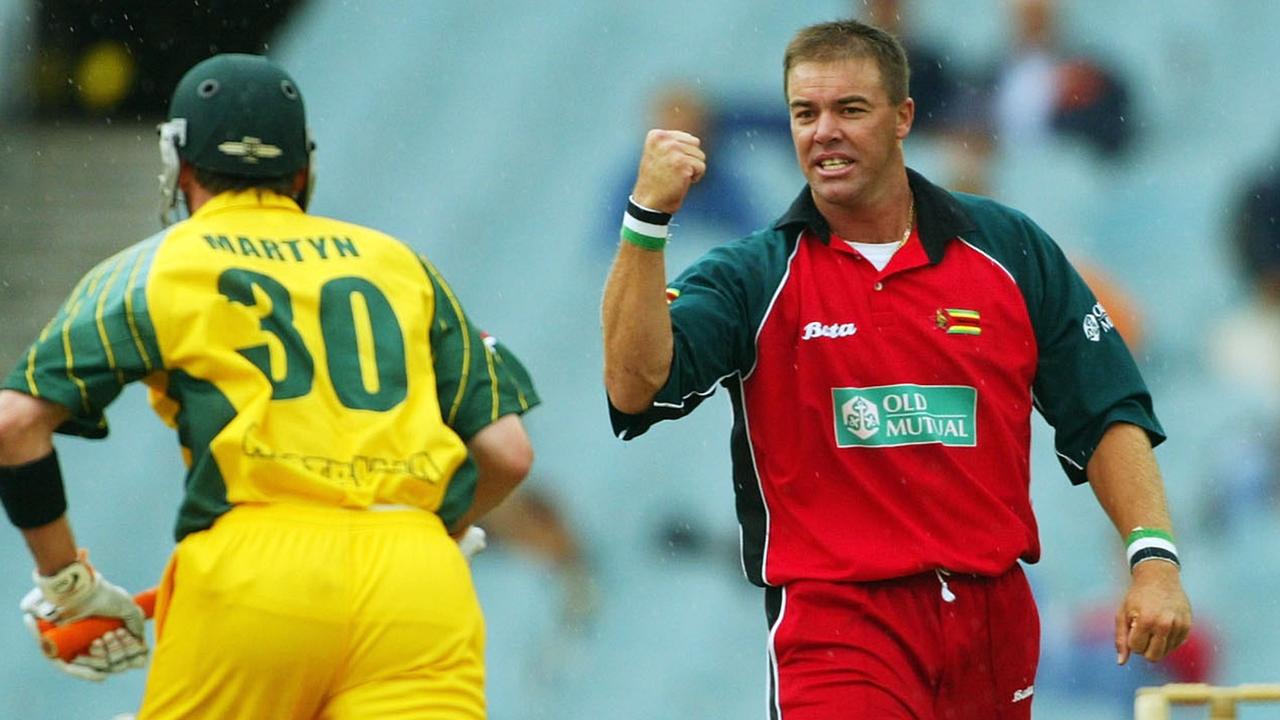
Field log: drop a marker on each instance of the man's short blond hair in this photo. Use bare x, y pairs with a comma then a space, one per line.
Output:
851, 40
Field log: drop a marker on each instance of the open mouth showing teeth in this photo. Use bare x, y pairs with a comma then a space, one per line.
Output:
834, 163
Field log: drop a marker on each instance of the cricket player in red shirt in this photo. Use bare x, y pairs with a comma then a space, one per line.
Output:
884, 344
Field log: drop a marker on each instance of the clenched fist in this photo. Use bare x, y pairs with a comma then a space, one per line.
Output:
1155, 617
672, 161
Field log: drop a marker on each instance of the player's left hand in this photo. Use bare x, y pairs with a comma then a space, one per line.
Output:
113, 652
1155, 617
76, 592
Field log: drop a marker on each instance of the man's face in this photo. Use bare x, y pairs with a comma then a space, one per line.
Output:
845, 130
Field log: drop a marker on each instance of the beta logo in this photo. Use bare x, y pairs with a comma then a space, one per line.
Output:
894, 415
834, 330
1096, 322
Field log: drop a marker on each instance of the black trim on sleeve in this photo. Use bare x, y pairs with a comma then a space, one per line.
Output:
1074, 454
33, 494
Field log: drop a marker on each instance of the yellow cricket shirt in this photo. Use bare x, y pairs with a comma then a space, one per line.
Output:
301, 359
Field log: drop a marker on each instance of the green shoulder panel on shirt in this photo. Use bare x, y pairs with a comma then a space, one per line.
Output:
100, 339
1086, 378
477, 381
516, 393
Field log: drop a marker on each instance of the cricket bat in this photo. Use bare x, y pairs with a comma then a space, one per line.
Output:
67, 641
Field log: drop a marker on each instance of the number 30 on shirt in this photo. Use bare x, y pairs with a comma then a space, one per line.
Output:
339, 299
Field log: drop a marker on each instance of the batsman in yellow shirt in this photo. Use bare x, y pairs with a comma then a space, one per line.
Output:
341, 418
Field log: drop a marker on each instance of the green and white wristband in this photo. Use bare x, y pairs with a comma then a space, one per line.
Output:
645, 228
1145, 544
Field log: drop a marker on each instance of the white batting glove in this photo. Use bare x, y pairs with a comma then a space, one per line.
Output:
472, 541
114, 652
76, 592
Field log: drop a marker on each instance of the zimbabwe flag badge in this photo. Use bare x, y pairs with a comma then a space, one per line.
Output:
958, 321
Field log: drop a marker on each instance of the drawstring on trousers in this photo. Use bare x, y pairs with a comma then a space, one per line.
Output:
947, 595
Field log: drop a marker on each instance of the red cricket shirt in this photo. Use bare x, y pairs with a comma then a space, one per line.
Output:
882, 418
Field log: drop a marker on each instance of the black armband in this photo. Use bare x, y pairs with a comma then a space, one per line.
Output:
644, 214
32, 494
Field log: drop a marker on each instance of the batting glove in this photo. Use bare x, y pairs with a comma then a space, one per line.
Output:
76, 592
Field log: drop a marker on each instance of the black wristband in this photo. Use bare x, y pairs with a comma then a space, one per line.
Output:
646, 215
1153, 553
33, 494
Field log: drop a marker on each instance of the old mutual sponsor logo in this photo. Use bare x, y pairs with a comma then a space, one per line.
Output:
861, 417
1096, 322
907, 414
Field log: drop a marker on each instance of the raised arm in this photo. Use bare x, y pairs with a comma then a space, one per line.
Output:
1155, 616
637, 326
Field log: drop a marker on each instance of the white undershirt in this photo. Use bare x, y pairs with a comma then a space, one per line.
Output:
878, 254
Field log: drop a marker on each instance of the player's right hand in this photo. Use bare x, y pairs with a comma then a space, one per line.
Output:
672, 161
1155, 617
76, 592
472, 541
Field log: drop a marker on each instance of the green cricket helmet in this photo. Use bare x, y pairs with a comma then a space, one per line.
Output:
234, 114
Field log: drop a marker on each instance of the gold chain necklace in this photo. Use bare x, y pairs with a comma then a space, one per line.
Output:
911, 222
